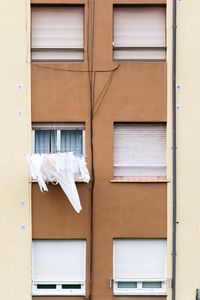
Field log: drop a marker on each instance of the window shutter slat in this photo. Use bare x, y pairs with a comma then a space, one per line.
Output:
59, 261
140, 151
140, 28
141, 53
57, 55
139, 260
57, 29
58, 126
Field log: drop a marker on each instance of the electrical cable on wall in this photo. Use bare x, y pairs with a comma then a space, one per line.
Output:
94, 106
91, 85
39, 65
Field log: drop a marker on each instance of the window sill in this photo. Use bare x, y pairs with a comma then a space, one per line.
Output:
142, 180
141, 294
54, 181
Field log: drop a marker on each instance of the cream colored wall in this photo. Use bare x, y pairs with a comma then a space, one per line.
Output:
169, 147
15, 249
188, 149
188, 152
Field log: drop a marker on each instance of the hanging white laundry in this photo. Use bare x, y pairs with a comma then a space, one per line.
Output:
63, 168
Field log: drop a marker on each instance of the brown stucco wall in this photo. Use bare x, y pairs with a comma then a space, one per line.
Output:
120, 211
137, 93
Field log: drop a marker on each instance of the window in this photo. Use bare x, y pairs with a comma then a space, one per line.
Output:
57, 33
140, 150
58, 267
139, 267
61, 137
139, 32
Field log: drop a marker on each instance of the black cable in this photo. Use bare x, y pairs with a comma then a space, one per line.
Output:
105, 91
92, 81
92, 150
107, 84
102, 91
93, 94
76, 71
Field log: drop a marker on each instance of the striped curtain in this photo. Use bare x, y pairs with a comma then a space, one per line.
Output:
45, 141
71, 141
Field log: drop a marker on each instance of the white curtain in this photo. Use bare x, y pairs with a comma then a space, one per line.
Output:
62, 168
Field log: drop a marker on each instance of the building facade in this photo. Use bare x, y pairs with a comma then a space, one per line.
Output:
95, 78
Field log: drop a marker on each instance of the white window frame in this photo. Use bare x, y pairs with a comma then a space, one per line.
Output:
58, 291
58, 127
139, 290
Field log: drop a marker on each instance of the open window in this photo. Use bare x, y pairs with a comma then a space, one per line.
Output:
58, 137
139, 267
57, 33
139, 32
58, 267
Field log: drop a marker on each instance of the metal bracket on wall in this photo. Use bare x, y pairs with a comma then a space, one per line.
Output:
178, 106
178, 87
170, 282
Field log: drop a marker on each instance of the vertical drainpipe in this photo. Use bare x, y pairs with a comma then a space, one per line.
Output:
174, 151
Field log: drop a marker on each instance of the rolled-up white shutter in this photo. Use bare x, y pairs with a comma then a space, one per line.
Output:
139, 32
58, 126
140, 150
139, 259
57, 32
59, 260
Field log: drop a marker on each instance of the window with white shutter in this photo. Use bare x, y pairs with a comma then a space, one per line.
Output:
139, 267
140, 150
139, 32
58, 267
58, 137
57, 33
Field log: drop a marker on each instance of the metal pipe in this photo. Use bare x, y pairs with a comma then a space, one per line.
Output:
174, 152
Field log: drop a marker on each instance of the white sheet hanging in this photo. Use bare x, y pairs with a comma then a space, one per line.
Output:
63, 168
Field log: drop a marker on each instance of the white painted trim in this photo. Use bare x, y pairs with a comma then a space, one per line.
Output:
140, 290
33, 141
83, 142
58, 126
58, 140
58, 291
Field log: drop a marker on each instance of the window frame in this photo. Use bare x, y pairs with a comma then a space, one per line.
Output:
59, 291
138, 177
61, 49
58, 127
129, 48
139, 291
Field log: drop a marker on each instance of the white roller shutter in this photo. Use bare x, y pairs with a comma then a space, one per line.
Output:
139, 260
139, 32
59, 260
57, 32
140, 150
58, 126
